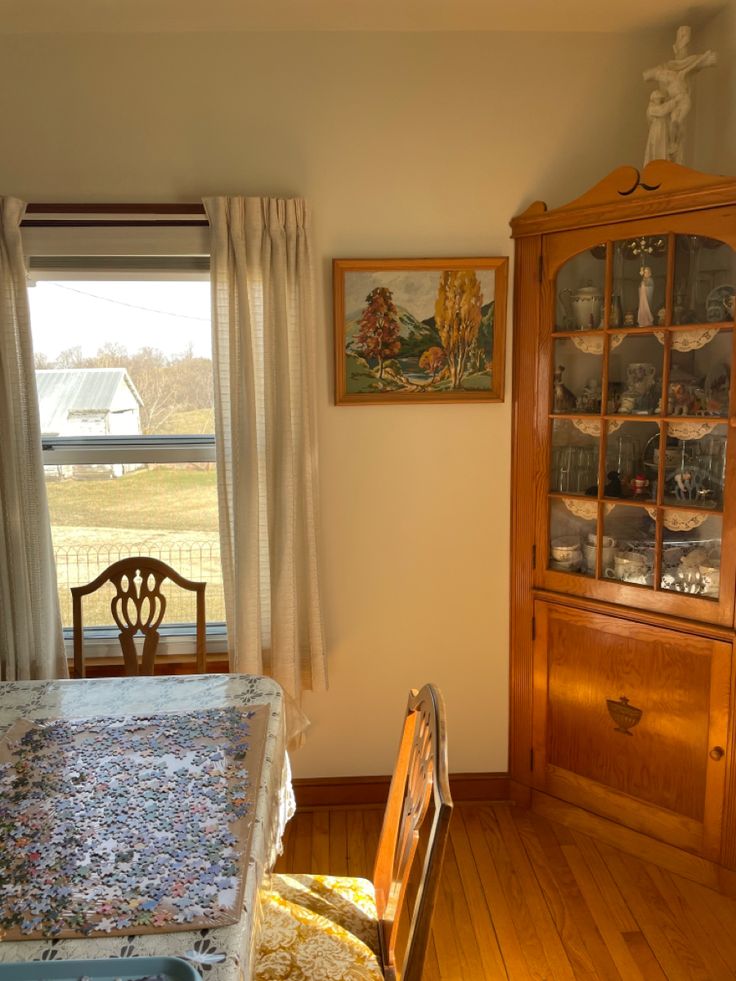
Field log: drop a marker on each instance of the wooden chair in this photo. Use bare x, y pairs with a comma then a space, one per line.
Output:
138, 606
380, 929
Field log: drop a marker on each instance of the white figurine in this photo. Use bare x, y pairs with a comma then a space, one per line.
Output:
667, 112
645, 317
658, 111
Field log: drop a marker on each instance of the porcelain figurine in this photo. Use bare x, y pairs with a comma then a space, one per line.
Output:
668, 111
639, 485
658, 111
612, 487
645, 318
590, 397
564, 400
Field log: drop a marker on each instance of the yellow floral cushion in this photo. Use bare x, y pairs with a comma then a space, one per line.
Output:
297, 944
348, 902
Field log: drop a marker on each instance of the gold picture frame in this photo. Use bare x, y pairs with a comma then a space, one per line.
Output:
419, 330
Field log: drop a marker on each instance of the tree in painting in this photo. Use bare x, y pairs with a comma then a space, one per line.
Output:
378, 335
458, 313
432, 361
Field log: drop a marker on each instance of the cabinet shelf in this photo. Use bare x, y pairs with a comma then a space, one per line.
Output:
653, 329
633, 503
641, 417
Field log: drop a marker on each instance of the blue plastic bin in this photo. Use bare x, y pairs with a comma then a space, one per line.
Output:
100, 969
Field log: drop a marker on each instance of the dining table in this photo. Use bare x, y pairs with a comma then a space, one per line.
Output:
101, 714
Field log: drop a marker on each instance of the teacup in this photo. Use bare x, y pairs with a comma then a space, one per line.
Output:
566, 548
606, 540
711, 576
607, 557
629, 567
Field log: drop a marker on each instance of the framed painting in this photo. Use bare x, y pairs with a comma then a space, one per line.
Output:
419, 330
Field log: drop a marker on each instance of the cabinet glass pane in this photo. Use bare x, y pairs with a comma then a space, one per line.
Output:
580, 283
570, 523
627, 475
700, 372
634, 374
691, 553
631, 533
574, 457
577, 374
639, 282
695, 465
705, 281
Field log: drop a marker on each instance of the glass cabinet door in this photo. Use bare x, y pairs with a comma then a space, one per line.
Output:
640, 396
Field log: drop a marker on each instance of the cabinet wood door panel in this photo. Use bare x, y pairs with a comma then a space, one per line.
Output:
625, 719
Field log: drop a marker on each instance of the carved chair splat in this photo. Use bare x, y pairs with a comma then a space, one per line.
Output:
138, 607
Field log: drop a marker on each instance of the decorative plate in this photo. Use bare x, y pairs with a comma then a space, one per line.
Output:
719, 304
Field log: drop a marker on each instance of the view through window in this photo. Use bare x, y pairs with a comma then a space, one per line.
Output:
124, 377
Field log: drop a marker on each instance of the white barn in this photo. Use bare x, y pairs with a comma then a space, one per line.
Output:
88, 402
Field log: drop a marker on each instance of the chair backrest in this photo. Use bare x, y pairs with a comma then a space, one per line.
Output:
413, 837
138, 606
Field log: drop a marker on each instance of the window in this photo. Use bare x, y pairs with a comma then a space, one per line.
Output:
124, 375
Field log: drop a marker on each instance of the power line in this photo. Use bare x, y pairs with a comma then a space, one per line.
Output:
132, 306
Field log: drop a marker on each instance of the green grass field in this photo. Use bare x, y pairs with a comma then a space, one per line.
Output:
159, 498
167, 512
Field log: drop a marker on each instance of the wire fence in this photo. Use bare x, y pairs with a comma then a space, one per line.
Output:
198, 560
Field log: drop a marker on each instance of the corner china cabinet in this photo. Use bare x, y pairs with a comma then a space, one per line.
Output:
624, 511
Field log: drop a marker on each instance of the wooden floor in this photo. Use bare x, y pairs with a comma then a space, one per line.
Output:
525, 898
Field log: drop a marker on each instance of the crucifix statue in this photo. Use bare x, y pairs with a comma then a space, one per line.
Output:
670, 102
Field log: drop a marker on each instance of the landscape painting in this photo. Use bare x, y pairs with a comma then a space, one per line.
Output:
419, 330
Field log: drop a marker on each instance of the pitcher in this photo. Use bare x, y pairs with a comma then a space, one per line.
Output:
583, 306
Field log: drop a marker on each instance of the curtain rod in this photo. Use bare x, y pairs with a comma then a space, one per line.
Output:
197, 213
116, 209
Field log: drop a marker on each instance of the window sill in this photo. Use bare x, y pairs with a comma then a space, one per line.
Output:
175, 654
112, 667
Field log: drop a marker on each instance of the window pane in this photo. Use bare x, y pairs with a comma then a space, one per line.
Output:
168, 512
128, 358
123, 358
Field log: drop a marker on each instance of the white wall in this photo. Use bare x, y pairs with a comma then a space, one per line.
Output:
406, 145
713, 129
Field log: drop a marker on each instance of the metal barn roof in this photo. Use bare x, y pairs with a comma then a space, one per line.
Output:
62, 391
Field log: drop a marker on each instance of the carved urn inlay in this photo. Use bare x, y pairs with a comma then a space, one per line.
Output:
624, 715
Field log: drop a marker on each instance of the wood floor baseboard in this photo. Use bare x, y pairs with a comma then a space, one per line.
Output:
362, 791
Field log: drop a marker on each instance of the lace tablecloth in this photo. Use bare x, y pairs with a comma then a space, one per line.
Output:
222, 953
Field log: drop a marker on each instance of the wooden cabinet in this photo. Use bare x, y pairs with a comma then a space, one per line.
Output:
631, 721
624, 505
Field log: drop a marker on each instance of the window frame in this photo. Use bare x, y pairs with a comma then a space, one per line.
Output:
125, 243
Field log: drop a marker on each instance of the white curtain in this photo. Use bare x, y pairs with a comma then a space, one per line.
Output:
31, 642
263, 324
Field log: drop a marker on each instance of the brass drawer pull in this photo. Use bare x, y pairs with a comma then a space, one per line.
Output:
717, 753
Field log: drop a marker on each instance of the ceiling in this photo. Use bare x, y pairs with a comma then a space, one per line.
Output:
144, 16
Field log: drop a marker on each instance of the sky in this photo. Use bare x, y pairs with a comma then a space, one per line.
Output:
168, 315
415, 290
